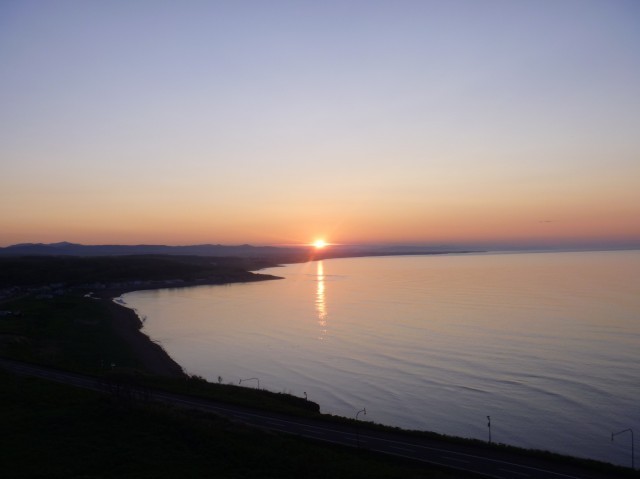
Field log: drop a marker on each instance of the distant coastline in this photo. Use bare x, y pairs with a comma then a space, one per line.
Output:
113, 292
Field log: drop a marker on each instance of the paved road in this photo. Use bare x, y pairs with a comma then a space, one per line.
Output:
485, 462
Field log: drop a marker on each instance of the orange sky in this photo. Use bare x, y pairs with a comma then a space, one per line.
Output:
417, 122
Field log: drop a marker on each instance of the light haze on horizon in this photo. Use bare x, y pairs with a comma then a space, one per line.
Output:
285, 121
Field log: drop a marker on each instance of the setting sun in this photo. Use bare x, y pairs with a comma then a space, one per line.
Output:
319, 243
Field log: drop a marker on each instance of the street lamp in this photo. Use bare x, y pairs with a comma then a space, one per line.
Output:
364, 410
251, 379
633, 465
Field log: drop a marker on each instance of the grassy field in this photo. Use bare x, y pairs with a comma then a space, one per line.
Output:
70, 332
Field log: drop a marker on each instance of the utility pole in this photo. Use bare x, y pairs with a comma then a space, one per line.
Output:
364, 410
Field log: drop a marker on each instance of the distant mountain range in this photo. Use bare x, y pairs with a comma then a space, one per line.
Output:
283, 254
72, 249
288, 254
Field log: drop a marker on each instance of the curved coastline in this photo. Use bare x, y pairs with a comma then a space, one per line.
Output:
153, 357
127, 324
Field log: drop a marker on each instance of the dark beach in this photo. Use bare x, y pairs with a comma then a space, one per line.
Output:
127, 325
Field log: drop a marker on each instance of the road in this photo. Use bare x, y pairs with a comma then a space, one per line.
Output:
490, 463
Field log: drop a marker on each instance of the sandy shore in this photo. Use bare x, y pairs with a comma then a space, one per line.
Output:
127, 325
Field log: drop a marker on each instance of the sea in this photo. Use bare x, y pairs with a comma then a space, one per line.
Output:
538, 350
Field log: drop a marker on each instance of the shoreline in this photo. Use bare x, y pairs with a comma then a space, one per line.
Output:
128, 325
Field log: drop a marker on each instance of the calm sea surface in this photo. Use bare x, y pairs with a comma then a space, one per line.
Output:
547, 344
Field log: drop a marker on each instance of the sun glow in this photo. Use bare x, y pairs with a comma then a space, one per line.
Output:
319, 243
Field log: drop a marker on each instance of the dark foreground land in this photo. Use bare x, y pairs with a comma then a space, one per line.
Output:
54, 430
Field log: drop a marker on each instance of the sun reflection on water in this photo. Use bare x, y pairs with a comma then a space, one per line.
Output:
321, 304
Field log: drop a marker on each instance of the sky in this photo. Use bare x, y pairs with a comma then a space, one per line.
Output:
280, 122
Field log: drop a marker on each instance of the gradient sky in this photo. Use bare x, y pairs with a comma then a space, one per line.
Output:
275, 122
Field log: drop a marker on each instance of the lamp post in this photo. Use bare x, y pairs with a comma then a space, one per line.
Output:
250, 379
364, 410
614, 434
